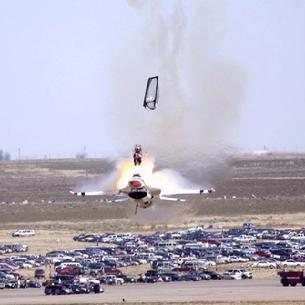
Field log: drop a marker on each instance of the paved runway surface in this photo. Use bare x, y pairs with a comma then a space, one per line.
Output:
245, 290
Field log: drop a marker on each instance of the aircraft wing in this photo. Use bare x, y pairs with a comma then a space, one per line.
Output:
94, 193
124, 190
116, 199
171, 198
111, 197
154, 191
163, 195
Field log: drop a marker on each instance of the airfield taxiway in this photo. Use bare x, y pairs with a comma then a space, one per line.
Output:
244, 290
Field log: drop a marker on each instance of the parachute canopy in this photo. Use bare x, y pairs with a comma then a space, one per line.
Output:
151, 93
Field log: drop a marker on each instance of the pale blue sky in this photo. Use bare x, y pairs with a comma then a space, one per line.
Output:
61, 61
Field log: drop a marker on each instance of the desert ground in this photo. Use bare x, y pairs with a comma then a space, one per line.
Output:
267, 190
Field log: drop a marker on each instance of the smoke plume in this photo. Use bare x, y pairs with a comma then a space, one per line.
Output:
200, 91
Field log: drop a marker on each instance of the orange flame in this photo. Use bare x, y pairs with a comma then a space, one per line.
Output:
127, 169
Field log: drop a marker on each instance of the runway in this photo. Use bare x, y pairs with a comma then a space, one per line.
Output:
244, 290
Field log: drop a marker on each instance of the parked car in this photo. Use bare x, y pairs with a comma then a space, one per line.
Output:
265, 264
69, 270
204, 276
128, 278
192, 276
213, 275
245, 274
33, 284
111, 280
244, 238
172, 275
23, 233
39, 273
291, 263
232, 275
248, 226
57, 290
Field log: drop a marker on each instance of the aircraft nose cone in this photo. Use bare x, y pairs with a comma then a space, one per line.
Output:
135, 183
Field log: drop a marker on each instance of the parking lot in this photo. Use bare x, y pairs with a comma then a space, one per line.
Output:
192, 255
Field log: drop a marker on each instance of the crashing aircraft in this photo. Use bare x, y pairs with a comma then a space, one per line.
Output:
142, 194
151, 93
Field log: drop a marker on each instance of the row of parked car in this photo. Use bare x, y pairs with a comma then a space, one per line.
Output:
67, 284
169, 258
266, 247
153, 276
20, 283
67, 289
13, 248
10, 266
193, 254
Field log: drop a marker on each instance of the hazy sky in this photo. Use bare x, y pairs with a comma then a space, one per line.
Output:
61, 63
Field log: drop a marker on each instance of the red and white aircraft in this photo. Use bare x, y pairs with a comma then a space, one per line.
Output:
143, 194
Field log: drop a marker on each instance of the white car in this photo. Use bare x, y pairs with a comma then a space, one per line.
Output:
245, 274
299, 236
205, 263
244, 238
26, 265
222, 259
112, 280
235, 258
291, 263
232, 275
265, 264
23, 233
288, 235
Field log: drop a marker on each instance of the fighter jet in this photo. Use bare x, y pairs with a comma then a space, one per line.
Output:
142, 194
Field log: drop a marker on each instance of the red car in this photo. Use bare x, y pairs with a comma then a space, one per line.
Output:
109, 270
69, 270
263, 253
